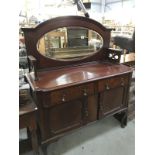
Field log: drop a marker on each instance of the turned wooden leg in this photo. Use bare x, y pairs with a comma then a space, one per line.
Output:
122, 118
44, 149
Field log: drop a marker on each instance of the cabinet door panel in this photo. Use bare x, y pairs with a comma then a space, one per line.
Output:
111, 100
65, 116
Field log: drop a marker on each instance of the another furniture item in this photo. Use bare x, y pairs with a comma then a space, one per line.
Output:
27, 119
125, 43
75, 92
128, 59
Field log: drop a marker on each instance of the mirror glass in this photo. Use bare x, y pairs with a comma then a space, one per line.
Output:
69, 43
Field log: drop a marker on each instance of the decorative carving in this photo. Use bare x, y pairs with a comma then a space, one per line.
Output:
122, 81
85, 110
101, 108
114, 55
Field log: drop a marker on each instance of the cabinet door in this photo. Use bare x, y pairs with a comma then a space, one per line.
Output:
65, 116
72, 114
111, 100
113, 95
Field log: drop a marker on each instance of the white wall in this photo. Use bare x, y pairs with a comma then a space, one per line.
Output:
45, 9
123, 12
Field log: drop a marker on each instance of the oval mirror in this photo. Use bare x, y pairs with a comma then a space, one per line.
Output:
69, 43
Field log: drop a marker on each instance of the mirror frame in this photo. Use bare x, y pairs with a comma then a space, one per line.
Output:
32, 35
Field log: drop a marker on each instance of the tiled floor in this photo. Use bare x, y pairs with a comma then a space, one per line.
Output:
104, 137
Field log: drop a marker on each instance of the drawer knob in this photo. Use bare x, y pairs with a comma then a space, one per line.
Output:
107, 87
63, 98
85, 92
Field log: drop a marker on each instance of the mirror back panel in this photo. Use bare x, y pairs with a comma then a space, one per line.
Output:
66, 40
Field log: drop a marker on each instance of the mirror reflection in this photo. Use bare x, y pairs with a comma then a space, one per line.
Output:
69, 43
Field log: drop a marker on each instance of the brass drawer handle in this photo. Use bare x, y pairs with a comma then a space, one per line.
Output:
107, 87
63, 98
85, 92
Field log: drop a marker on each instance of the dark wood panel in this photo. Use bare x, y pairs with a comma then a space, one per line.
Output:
26, 120
65, 116
111, 100
70, 76
68, 94
92, 108
113, 82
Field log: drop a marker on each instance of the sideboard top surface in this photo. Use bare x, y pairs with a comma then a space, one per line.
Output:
69, 76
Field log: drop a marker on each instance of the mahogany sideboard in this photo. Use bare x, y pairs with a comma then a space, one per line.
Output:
71, 93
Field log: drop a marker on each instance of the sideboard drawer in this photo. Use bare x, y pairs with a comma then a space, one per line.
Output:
68, 94
112, 82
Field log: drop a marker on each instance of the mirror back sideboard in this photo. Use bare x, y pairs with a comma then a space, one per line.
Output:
72, 93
